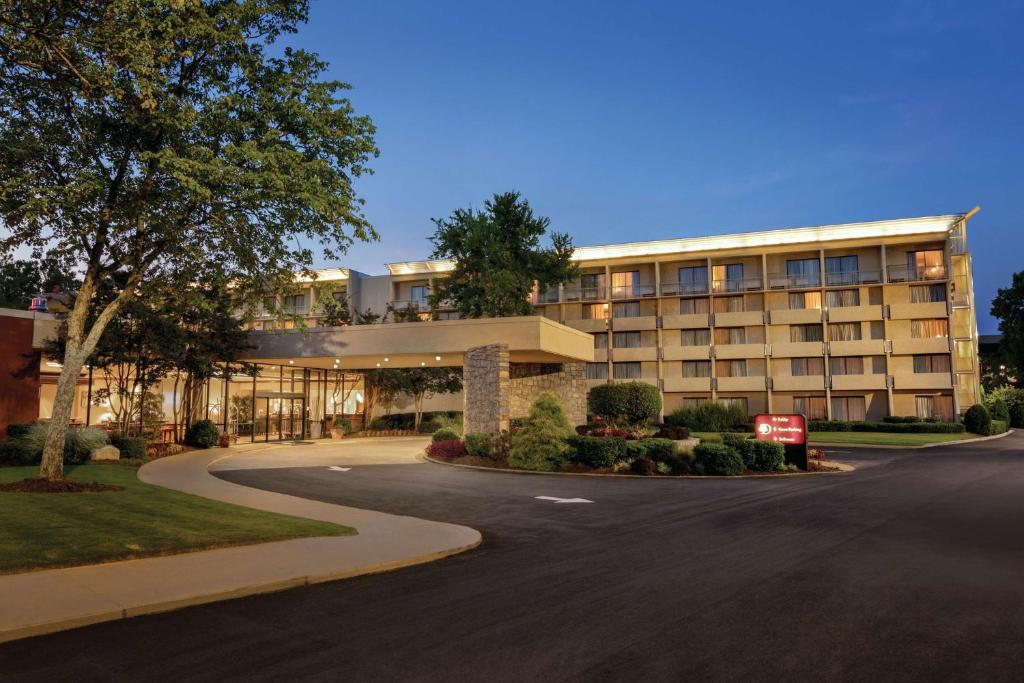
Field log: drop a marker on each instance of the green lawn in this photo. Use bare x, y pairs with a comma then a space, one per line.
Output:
39, 530
865, 438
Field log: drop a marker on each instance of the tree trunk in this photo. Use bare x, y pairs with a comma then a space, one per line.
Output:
418, 403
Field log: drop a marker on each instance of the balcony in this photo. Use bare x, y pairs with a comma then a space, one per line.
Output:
681, 288
641, 353
923, 380
687, 384
740, 383
795, 316
786, 281
642, 322
418, 304
585, 294
907, 273
928, 345
856, 277
797, 349
739, 318
743, 284
548, 297
849, 314
857, 382
928, 309
739, 351
686, 352
857, 347
798, 382
685, 321
632, 291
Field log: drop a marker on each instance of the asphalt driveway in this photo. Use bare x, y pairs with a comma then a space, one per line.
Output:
912, 567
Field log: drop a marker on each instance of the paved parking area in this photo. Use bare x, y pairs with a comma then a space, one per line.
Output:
910, 568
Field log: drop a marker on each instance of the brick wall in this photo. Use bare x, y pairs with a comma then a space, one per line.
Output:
19, 373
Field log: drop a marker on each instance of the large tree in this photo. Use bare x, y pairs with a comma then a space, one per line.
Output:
139, 136
498, 256
22, 279
1008, 307
421, 383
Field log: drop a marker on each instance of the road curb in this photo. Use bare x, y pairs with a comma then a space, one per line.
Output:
662, 477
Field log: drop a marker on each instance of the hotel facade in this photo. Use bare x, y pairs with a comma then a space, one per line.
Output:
847, 322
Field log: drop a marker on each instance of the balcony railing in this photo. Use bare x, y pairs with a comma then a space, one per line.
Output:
677, 288
853, 277
585, 294
786, 281
738, 284
548, 297
418, 304
632, 291
906, 273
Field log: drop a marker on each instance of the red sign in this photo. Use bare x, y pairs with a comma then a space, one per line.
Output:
784, 429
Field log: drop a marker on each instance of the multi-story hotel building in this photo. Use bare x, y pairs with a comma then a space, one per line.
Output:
852, 322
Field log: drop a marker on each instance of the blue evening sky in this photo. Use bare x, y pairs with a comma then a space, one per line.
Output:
648, 120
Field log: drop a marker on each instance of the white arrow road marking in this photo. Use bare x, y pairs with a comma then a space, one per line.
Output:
335, 468
563, 500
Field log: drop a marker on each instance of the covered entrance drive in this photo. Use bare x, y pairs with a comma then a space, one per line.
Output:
506, 362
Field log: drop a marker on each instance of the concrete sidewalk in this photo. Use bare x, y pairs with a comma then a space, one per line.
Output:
51, 600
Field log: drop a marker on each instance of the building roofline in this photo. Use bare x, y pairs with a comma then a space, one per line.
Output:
740, 240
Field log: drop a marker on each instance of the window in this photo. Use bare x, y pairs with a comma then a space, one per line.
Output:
848, 408
728, 277
696, 337
597, 371
626, 370
628, 309
339, 296
595, 311
626, 340
846, 365
935, 406
805, 333
802, 367
927, 329
691, 306
805, 300
730, 335
841, 270
601, 340
696, 368
923, 294
592, 286
877, 365
803, 272
842, 297
626, 283
843, 331
690, 402
693, 279
731, 368
295, 303
728, 304
418, 293
938, 362
738, 401
811, 406
926, 265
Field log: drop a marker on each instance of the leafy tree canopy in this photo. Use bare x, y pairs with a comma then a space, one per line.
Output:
138, 136
1008, 307
498, 256
22, 279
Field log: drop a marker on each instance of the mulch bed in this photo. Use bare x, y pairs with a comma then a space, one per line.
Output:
38, 485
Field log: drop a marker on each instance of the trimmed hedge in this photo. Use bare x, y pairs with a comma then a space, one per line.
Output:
717, 459
596, 451
430, 421
478, 444
202, 434
999, 427
129, 446
709, 417
16, 430
672, 432
889, 427
628, 403
977, 420
445, 434
735, 439
446, 450
762, 456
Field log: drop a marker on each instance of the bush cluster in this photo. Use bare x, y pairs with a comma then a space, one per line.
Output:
918, 427
998, 409
130, 447
666, 431
709, 417
479, 444
446, 450
430, 421
762, 456
999, 427
342, 423
625, 404
541, 443
717, 459
202, 434
1014, 400
596, 451
445, 434
25, 445
977, 420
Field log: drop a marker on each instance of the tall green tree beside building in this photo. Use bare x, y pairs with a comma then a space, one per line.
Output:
138, 136
1008, 307
498, 256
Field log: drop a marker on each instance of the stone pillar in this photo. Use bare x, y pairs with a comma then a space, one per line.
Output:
485, 392
567, 381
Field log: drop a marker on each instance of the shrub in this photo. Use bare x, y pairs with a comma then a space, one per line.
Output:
665, 468
596, 451
714, 458
644, 466
978, 420
1014, 399
734, 439
16, 430
344, 424
630, 404
708, 417
430, 421
80, 442
899, 419
130, 447
666, 431
27, 449
829, 426
658, 450
999, 427
478, 444
18, 451
445, 434
541, 442
1017, 415
998, 409
763, 456
446, 450
905, 427
202, 434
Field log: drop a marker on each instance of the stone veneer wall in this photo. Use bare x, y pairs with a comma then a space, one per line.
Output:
567, 381
485, 394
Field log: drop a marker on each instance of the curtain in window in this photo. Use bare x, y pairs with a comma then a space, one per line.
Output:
693, 279
696, 368
922, 294
625, 283
419, 292
802, 367
730, 335
595, 311
926, 329
626, 370
739, 401
805, 333
691, 306
931, 363
729, 304
811, 406
841, 270
844, 331
943, 406
803, 272
928, 264
843, 297
696, 337
731, 368
850, 408
601, 340
629, 309
728, 277
626, 340
690, 402
597, 371
850, 365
